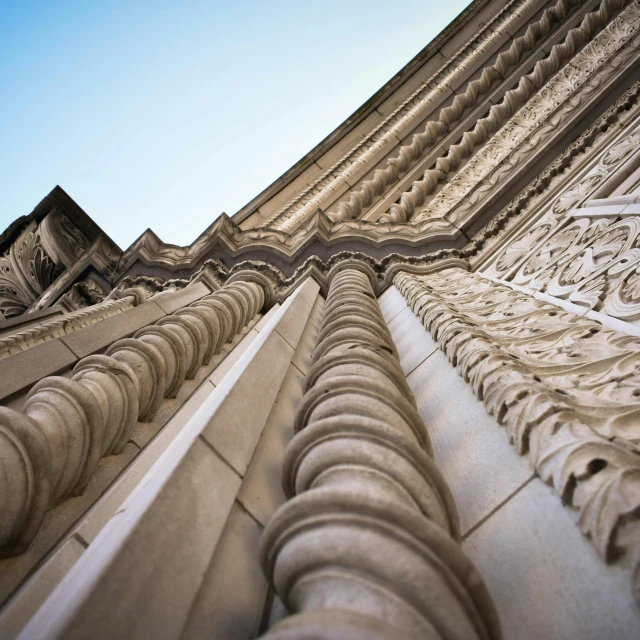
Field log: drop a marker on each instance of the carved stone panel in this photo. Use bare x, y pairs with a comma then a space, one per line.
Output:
566, 389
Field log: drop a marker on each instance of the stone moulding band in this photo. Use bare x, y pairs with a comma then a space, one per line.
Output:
530, 85
368, 547
59, 326
409, 154
50, 451
397, 124
565, 388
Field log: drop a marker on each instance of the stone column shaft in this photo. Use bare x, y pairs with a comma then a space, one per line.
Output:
50, 451
368, 547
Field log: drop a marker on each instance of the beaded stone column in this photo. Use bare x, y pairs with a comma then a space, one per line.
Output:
50, 451
368, 547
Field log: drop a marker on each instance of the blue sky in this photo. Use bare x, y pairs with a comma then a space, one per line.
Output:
164, 114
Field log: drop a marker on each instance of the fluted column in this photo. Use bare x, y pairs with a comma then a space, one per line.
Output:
368, 547
50, 451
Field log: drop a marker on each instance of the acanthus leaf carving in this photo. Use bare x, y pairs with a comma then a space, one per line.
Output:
566, 389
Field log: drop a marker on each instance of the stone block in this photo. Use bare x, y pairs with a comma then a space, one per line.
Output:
317, 311
261, 490
27, 601
292, 324
306, 345
101, 334
470, 448
237, 423
27, 367
232, 597
59, 520
225, 366
266, 317
546, 579
109, 504
151, 557
412, 340
309, 291
391, 304
170, 301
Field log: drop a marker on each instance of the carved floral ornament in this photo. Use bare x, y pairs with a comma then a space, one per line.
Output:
35, 259
566, 389
588, 256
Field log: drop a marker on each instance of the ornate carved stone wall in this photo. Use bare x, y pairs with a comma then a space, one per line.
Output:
496, 182
565, 388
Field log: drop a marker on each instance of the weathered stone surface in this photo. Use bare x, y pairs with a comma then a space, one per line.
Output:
261, 491
355, 548
546, 582
172, 523
98, 336
24, 369
232, 597
233, 434
404, 328
469, 446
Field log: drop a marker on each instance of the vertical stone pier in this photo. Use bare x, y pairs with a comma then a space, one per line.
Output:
367, 546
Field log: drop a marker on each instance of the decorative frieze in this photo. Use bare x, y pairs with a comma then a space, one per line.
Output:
521, 111
409, 154
588, 255
399, 123
566, 389
369, 545
49, 452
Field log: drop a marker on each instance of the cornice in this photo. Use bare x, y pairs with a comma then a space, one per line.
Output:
398, 124
588, 78
538, 94
448, 33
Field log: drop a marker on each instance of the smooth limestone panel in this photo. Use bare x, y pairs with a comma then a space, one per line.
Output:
545, 578
391, 304
411, 339
470, 448
37, 591
261, 491
160, 539
234, 434
231, 600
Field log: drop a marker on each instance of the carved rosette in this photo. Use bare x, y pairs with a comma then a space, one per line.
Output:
368, 547
49, 452
566, 389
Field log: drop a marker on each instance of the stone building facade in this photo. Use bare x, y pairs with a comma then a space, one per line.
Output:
395, 396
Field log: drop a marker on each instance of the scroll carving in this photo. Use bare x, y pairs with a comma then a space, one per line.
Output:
587, 256
49, 452
25, 272
369, 545
35, 260
566, 389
